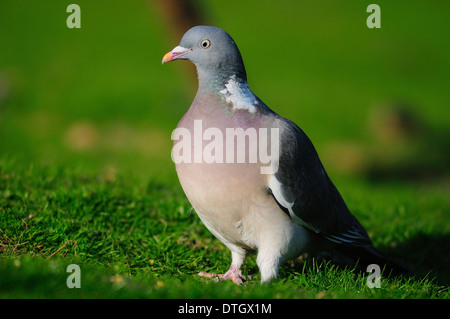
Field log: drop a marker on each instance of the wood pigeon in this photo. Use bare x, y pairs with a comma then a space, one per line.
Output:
279, 208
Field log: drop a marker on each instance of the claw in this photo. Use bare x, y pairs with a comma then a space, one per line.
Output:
234, 274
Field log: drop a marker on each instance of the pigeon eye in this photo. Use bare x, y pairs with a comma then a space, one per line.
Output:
205, 44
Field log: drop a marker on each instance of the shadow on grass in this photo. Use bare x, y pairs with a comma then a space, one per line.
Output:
424, 255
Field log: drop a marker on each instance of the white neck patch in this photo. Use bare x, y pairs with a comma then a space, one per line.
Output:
239, 95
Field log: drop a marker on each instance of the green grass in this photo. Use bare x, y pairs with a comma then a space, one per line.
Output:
85, 123
136, 240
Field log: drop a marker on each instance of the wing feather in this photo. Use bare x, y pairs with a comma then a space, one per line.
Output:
302, 187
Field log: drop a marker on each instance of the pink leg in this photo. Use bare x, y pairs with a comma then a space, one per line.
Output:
234, 274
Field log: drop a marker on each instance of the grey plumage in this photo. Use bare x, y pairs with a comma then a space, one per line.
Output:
317, 202
292, 210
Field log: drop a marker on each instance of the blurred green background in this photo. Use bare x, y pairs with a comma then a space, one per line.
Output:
96, 101
375, 102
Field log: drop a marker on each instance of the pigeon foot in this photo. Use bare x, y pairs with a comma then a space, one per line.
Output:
234, 274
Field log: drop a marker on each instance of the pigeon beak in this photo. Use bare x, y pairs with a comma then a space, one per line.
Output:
177, 53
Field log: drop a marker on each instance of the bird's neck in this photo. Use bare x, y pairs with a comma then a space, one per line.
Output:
216, 81
232, 88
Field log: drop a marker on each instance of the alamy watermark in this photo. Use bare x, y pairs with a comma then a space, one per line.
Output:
74, 279
374, 279
230, 145
74, 19
374, 19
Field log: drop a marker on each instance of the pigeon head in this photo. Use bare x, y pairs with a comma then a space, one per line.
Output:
213, 52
